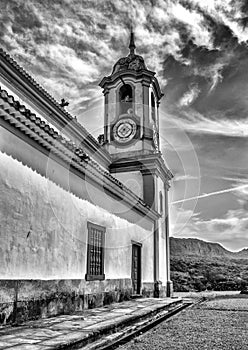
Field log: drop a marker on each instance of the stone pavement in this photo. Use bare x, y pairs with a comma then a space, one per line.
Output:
77, 330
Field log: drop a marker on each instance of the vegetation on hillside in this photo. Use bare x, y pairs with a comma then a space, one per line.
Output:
193, 273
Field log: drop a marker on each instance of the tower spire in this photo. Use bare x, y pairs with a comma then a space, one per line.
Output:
132, 44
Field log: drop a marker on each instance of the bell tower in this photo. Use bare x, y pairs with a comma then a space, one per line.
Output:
132, 96
131, 136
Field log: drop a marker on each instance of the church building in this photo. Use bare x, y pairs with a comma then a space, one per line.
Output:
83, 222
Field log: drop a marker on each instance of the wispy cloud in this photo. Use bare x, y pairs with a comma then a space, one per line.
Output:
184, 177
204, 195
212, 72
195, 122
68, 62
190, 96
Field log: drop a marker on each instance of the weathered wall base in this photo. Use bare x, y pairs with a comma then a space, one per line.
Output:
163, 291
148, 289
169, 289
22, 300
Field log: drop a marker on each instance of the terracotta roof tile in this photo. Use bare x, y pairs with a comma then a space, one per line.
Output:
43, 91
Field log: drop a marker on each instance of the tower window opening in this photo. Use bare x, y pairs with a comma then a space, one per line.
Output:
153, 111
125, 98
161, 207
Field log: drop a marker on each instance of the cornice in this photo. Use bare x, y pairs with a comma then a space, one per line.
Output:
149, 163
147, 76
23, 120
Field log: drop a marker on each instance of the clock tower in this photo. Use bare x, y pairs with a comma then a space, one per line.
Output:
131, 136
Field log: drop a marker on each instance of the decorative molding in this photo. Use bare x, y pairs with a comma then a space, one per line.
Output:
147, 77
151, 163
136, 243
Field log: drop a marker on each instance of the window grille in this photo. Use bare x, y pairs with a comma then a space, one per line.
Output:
95, 252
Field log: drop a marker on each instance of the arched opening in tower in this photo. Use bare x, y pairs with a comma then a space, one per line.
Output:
153, 111
125, 98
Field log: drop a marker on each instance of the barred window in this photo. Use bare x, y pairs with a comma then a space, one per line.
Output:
95, 252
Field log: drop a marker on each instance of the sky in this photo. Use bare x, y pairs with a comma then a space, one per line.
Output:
199, 52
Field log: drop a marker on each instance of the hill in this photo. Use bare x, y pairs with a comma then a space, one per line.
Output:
197, 265
197, 247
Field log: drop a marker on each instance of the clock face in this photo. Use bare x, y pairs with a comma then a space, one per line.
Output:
124, 130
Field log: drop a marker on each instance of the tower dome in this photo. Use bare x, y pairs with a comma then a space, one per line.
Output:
132, 61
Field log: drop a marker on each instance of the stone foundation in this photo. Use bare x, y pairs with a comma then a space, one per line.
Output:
23, 300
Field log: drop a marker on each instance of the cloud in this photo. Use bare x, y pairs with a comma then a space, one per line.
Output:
198, 30
195, 122
240, 190
226, 11
212, 72
190, 96
229, 230
69, 62
184, 177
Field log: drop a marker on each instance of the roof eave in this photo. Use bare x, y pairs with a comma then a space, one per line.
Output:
23, 82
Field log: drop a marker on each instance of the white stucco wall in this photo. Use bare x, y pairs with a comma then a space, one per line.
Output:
43, 226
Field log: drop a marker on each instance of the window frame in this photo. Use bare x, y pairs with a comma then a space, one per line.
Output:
88, 275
